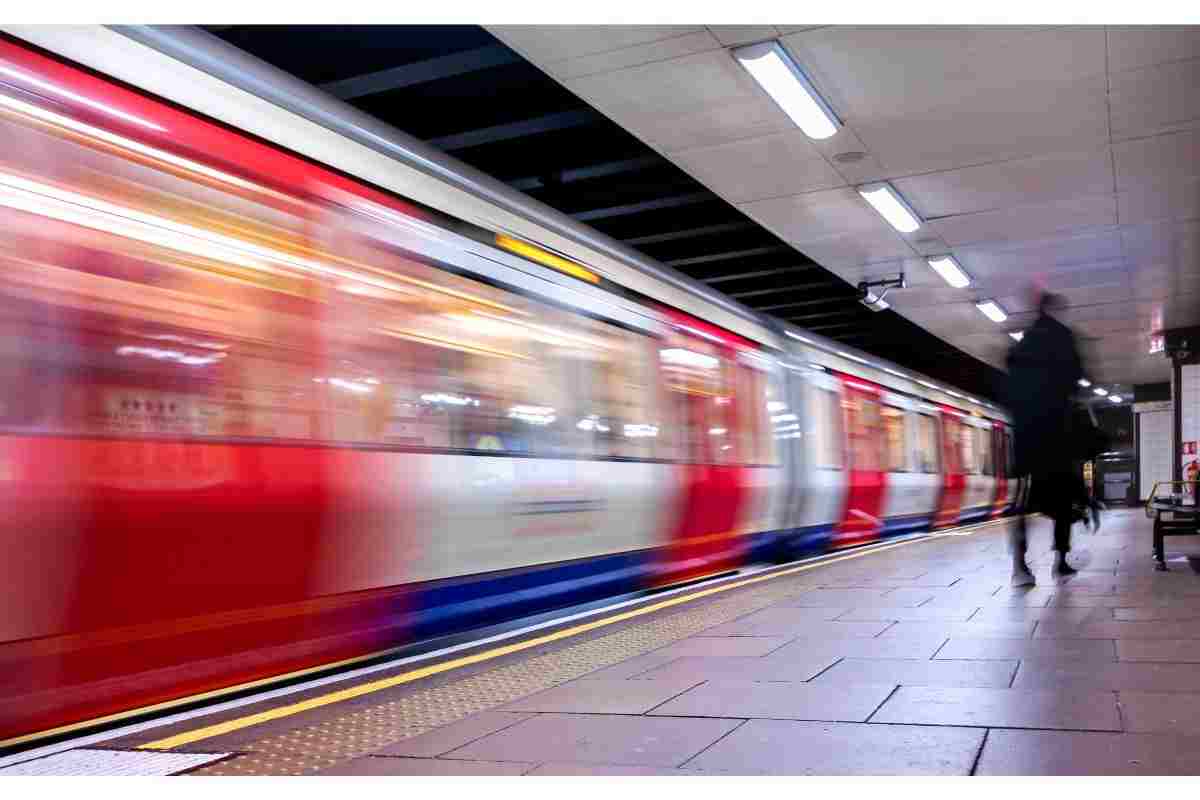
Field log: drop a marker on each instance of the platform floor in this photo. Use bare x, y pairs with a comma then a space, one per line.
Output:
916, 659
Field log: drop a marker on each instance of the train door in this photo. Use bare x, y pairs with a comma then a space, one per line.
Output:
821, 469
866, 482
1000, 464
705, 538
911, 493
953, 480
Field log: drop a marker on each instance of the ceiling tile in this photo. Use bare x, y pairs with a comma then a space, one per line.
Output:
836, 252
545, 44
1155, 99
1023, 222
743, 34
1021, 181
846, 141
1174, 201
751, 169
637, 55
1156, 160
1037, 255
884, 72
1131, 47
817, 215
995, 125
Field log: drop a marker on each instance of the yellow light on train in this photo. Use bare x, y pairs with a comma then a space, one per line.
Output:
545, 258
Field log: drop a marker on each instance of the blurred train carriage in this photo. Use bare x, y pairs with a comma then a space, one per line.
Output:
258, 417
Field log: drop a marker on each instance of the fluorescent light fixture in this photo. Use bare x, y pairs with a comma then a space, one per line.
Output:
953, 274
1018, 335
1116, 398
717, 431
887, 201
1101, 392
1084, 382
992, 310
780, 77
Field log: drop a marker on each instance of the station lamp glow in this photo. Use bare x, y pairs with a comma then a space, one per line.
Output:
1101, 392
780, 77
952, 273
1116, 398
1018, 335
992, 310
1084, 382
891, 206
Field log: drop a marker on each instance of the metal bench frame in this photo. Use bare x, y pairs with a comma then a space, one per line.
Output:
1171, 517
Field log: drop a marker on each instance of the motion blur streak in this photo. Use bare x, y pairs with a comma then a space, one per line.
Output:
257, 417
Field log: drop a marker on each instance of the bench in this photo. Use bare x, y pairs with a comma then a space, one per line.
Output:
1172, 517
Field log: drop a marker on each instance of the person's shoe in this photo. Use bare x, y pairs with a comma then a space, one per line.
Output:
1023, 577
1064, 570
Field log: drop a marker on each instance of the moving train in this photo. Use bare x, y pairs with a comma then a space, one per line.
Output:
260, 414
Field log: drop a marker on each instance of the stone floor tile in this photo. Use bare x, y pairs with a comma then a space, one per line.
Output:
1098, 650
746, 699
1172, 650
1057, 614
724, 646
454, 735
645, 741
700, 668
908, 672
778, 747
1159, 629
918, 614
1151, 613
572, 770
633, 667
602, 696
386, 765
920, 647
1156, 712
1012, 752
1145, 676
962, 630
844, 599
1001, 708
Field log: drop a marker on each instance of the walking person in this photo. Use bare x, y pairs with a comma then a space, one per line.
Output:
1043, 372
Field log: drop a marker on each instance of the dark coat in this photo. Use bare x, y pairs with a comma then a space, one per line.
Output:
1043, 372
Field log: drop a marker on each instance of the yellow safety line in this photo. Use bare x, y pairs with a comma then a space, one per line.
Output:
209, 731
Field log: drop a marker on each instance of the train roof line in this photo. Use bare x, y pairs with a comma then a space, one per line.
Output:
212, 55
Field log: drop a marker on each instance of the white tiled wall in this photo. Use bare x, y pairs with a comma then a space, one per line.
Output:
1154, 449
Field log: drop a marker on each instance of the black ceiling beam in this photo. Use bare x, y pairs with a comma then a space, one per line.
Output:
850, 312
803, 303
637, 208
705, 259
432, 69
515, 130
762, 273
798, 287
604, 170
691, 233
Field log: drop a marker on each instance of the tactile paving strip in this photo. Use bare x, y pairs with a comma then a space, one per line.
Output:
126, 763
364, 730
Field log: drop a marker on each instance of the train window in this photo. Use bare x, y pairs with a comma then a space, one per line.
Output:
927, 444
952, 459
828, 442
294, 319
895, 429
863, 425
984, 437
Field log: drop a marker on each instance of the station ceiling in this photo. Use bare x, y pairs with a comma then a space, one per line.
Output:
1067, 155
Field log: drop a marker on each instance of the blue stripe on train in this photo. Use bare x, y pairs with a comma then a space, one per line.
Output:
974, 514
459, 604
898, 526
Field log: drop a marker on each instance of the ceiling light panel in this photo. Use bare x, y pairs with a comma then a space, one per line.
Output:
780, 77
950, 271
992, 310
891, 206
